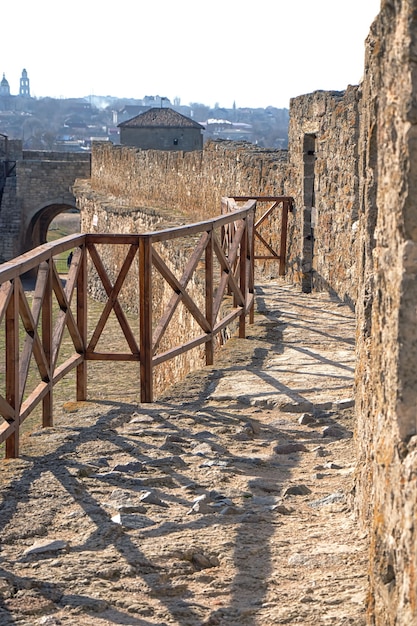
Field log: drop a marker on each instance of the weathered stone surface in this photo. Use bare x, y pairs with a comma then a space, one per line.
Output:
39, 547
41, 181
132, 520
335, 432
228, 561
386, 491
306, 418
324, 180
298, 358
297, 490
289, 448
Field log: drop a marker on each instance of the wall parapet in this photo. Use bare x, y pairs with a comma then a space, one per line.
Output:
191, 183
48, 155
322, 238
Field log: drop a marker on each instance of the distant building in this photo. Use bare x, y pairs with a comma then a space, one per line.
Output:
162, 129
6, 100
9, 102
4, 87
24, 90
128, 111
225, 129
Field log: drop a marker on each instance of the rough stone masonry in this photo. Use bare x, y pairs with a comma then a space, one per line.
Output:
351, 167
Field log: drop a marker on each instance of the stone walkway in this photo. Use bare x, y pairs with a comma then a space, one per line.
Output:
226, 502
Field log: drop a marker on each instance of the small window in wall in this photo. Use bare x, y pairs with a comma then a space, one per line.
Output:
175, 142
309, 162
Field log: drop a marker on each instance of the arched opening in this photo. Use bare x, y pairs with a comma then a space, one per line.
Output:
66, 223
41, 222
51, 223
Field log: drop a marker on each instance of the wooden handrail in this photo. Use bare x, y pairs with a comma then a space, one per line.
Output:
286, 203
39, 320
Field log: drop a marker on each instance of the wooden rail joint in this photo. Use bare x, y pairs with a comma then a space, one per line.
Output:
266, 248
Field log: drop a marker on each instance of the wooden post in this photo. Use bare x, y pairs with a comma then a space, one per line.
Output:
12, 370
283, 246
251, 262
47, 402
243, 279
82, 314
209, 299
145, 318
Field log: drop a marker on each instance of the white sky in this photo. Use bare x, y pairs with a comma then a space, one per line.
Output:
257, 54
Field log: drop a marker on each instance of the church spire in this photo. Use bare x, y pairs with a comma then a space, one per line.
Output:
24, 90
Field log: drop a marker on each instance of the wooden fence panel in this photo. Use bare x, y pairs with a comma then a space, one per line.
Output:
222, 248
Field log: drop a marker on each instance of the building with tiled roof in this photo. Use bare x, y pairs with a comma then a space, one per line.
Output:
162, 129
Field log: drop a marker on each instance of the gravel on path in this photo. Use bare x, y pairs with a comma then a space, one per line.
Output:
227, 501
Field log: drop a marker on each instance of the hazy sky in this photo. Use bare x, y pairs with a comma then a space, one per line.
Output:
257, 54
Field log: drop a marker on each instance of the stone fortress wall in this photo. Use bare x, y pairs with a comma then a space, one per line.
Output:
133, 190
324, 182
191, 185
34, 187
350, 167
386, 312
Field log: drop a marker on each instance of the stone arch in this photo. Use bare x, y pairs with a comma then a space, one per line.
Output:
37, 230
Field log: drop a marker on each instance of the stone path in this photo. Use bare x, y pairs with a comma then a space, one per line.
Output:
226, 502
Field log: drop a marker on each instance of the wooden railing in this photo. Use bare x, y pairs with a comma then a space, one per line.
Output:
34, 322
270, 227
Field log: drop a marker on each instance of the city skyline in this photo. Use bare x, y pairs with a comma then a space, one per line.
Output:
216, 53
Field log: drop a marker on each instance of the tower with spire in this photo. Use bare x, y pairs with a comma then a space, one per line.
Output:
24, 90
